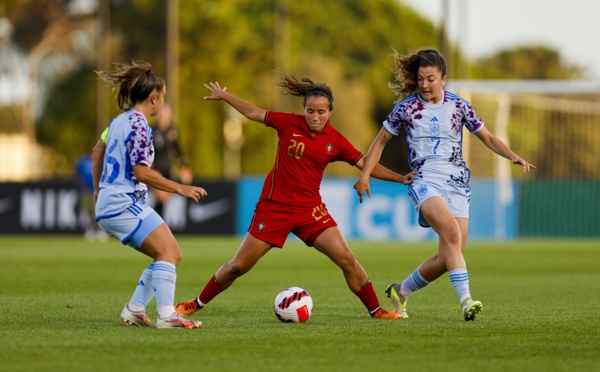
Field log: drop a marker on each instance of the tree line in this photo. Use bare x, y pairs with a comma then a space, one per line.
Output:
240, 43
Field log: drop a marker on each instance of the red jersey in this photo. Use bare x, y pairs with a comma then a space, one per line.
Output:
301, 159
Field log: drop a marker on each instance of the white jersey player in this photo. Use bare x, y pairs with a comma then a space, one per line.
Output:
433, 134
121, 170
433, 121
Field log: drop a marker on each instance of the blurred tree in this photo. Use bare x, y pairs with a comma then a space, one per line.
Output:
68, 124
346, 44
526, 62
241, 43
41, 30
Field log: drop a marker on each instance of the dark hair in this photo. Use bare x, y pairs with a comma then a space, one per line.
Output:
305, 88
406, 70
135, 83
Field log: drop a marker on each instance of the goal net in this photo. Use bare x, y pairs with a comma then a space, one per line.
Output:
554, 125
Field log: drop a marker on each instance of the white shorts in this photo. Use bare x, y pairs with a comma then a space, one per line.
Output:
457, 198
133, 225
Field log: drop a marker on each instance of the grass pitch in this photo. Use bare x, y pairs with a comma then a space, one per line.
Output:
60, 300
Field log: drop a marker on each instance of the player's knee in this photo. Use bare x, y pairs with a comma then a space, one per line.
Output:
347, 261
172, 255
453, 237
177, 258
236, 268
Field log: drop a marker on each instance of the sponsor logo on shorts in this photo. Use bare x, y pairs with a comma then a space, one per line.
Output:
327, 220
422, 190
261, 226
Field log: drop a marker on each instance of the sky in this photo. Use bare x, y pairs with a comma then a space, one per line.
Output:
482, 27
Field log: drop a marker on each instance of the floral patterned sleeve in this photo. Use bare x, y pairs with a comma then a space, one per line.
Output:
139, 143
470, 118
394, 120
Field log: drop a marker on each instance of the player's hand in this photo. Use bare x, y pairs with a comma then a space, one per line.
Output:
193, 192
215, 90
407, 179
361, 186
526, 166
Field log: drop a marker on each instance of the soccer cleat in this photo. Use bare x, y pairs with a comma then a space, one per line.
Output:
138, 318
188, 307
382, 313
177, 321
393, 291
471, 309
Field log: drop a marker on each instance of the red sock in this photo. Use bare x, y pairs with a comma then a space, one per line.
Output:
368, 297
211, 290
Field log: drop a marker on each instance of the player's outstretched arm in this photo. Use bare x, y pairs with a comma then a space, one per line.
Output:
500, 148
373, 156
144, 174
245, 108
382, 173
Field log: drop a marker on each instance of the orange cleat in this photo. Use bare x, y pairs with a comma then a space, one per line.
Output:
187, 307
382, 313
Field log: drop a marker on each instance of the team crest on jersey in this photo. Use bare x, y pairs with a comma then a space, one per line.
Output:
434, 130
261, 226
422, 190
329, 147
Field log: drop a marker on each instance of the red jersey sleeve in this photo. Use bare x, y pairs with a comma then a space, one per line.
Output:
347, 152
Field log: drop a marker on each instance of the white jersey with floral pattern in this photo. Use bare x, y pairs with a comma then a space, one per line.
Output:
434, 134
129, 143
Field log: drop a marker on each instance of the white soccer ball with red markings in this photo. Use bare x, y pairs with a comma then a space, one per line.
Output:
293, 304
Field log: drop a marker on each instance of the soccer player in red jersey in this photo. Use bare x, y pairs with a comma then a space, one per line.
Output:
290, 201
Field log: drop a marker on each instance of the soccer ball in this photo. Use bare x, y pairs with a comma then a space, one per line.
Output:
293, 304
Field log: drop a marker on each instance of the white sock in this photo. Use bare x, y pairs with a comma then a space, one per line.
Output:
135, 308
412, 283
460, 281
164, 278
144, 292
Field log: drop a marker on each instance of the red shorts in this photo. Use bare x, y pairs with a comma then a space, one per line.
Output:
273, 222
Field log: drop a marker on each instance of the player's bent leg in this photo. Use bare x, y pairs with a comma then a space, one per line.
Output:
436, 212
211, 290
332, 244
161, 245
249, 253
247, 256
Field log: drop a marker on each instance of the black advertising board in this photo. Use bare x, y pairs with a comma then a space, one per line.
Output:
56, 208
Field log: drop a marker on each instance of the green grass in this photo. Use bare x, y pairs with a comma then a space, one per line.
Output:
60, 300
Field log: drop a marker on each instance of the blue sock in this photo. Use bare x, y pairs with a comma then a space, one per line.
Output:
144, 292
460, 281
413, 282
163, 280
